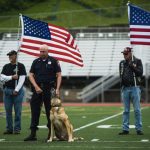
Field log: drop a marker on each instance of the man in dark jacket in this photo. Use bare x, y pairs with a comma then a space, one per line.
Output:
131, 70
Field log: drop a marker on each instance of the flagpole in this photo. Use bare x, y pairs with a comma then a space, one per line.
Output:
133, 72
18, 48
130, 42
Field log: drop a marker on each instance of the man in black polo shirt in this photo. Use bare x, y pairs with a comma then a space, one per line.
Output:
13, 78
44, 73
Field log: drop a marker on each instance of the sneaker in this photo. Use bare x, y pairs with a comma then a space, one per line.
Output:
17, 132
8, 132
30, 138
140, 133
124, 132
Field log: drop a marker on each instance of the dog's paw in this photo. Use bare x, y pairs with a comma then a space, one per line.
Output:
50, 140
71, 140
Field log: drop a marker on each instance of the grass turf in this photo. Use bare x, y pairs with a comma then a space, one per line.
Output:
107, 138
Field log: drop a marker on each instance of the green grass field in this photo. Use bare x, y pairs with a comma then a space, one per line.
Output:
90, 123
70, 14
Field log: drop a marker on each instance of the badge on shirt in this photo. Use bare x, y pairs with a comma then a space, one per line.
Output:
49, 62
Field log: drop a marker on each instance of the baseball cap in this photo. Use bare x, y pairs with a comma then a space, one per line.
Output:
127, 50
12, 52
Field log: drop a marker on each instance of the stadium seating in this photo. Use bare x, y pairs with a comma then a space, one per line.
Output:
101, 57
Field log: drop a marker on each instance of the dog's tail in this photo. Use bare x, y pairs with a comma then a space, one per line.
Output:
78, 138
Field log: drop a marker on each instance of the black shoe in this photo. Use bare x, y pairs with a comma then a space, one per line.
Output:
140, 133
30, 138
8, 132
16, 132
124, 132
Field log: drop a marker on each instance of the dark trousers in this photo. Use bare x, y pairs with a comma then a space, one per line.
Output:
36, 103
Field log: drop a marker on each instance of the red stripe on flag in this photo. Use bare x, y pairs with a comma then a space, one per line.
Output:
57, 31
64, 54
54, 34
140, 43
36, 49
58, 58
69, 61
140, 29
63, 43
49, 24
72, 42
140, 36
30, 53
75, 52
30, 47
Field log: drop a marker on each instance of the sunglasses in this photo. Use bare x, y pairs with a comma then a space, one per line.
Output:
125, 53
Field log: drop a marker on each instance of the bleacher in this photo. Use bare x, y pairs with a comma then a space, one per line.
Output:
101, 57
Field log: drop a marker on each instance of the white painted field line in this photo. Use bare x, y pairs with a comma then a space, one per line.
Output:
102, 120
98, 141
99, 121
79, 146
132, 147
74, 146
46, 147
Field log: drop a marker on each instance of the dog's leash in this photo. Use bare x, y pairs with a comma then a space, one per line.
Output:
53, 93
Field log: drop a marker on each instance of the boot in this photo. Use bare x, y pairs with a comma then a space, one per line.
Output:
32, 136
8, 132
124, 132
139, 132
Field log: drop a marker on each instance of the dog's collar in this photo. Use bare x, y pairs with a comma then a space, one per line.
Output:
57, 105
57, 109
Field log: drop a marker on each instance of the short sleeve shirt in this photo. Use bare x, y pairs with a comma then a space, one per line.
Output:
9, 70
45, 70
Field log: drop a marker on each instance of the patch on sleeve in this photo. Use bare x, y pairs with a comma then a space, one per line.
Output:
58, 63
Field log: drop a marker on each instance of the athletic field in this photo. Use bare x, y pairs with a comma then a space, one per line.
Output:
98, 124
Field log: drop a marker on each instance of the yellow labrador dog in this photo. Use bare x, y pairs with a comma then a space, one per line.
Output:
60, 124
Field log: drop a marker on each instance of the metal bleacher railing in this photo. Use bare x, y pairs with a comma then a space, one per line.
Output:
98, 87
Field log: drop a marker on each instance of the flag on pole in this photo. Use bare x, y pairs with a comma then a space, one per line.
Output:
139, 21
62, 45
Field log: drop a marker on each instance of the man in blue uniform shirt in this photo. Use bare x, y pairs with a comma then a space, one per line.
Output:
45, 72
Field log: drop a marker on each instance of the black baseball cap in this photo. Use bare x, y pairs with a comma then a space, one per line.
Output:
127, 50
12, 52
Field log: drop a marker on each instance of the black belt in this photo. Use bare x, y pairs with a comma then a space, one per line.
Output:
46, 84
128, 85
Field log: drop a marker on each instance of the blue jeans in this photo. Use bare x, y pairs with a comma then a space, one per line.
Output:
11, 101
133, 94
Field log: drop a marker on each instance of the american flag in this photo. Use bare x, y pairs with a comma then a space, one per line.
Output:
62, 45
139, 20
